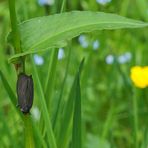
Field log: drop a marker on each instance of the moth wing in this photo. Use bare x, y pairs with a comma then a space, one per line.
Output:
21, 91
30, 92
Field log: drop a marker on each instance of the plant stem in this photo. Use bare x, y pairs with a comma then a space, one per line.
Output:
20, 67
28, 132
15, 31
135, 114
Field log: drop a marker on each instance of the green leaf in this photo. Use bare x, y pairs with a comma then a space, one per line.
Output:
68, 112
145, 140
54, 31
60, 102
9, 90
38, 135
45, 114
76, 136
50, 80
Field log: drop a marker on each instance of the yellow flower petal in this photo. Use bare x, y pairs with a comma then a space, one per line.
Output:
139, 76
145, 69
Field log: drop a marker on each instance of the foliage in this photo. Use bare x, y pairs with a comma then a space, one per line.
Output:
91, 103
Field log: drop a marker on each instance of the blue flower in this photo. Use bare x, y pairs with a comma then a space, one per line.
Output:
83, 41
45, 2
124, 58
103, 2
96, 45
61, 54
38, 60
110, 59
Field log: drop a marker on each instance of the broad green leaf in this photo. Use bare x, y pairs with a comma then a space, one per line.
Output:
68, 112
46, 32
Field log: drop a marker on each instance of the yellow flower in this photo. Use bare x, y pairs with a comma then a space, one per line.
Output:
139, 76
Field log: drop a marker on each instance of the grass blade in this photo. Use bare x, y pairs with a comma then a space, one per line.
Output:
45, 114
76, 136
39, 137
9, 90
60, 102
68, 113
50, 81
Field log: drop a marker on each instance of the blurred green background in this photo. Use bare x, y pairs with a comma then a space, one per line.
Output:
105, 83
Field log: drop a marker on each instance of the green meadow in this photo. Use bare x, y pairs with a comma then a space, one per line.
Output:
88, 63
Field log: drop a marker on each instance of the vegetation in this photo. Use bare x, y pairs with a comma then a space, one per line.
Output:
88, 61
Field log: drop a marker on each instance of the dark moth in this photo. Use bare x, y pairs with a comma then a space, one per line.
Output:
25, 92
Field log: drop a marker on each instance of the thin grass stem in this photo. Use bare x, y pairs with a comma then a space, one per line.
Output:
135, 119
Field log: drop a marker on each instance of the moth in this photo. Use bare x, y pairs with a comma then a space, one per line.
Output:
25, 92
